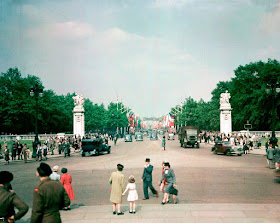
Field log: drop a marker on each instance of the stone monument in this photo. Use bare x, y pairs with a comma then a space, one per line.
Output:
79, 116
225, 115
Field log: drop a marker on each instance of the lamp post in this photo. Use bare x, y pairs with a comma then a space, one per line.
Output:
36, 91
274, 89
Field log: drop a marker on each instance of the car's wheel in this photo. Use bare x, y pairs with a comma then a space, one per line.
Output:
240, 154
97, 153
83, 154
109, 151
228, 153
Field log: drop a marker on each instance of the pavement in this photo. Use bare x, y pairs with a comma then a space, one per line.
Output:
187, 213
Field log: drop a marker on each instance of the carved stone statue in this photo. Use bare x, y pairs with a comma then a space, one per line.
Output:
79, 100
224, 98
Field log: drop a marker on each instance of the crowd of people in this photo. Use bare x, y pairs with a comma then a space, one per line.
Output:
53, 193
167, 186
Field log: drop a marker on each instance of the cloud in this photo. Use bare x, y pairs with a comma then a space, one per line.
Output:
170, 3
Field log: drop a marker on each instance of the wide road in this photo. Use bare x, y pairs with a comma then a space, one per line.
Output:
202, 177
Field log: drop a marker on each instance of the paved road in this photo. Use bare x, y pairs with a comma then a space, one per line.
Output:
202, 177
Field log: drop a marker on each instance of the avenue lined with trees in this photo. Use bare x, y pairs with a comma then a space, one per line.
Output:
253, 89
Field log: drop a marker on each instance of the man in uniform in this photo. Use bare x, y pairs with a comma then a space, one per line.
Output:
9, 200
147, 179
48, 198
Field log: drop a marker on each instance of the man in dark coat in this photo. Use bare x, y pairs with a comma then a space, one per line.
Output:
9, 200
48, 198
147, 179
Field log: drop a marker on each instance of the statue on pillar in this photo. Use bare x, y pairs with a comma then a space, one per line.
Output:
224, 98
79, 102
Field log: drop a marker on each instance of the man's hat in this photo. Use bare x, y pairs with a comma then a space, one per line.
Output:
167, 164
44, 169
120, 165
148, 160
6, 177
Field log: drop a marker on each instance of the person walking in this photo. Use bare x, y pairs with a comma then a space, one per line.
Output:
9, 200
163, 142
270, 157
164, 183
45, 150
147, 179
132, 194
66, 180
14, 151
19, 150
117, 188
39, 152
171, 183
276, 157
25, 152
7, 155
55, 175
48, 198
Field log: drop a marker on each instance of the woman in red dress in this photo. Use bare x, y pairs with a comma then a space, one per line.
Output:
66, 181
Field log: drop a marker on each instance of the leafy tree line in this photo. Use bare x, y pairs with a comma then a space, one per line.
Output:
17, 108
253, 98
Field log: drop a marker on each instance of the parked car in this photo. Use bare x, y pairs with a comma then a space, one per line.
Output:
94, 147
224, 147
171, 136
128, 138
139, 137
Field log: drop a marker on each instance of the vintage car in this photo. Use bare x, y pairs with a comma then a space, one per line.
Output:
154, 136
128, 138
139, 137
171, 136
224, 147
161, 132
188, 136
94, 147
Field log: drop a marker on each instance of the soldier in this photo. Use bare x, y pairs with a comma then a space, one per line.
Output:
48, 198
9, 200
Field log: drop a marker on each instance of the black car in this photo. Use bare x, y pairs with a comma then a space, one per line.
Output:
94, 147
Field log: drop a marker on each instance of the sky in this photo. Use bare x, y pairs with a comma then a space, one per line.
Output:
151, 54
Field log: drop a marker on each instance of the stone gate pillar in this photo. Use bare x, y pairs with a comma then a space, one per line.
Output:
79, 116
225, 114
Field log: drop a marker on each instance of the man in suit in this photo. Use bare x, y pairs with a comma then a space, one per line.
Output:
147, 180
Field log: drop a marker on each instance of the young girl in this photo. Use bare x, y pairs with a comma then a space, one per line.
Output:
132, 194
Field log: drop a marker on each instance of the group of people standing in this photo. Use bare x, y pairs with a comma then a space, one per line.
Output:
117, 180
53, 193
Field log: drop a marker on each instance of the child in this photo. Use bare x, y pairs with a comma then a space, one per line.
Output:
132, 194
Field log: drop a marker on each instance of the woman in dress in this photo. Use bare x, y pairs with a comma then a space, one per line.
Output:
117, 182
164, 183
132, 194
66, 181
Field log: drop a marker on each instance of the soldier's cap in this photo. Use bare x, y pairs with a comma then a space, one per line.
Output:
44, 170
6, 177
148, 160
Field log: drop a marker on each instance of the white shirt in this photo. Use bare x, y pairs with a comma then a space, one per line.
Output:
55, 176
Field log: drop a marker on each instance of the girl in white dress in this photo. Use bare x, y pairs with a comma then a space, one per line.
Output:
132, 194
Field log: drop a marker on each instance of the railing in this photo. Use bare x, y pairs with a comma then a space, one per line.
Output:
28, 137
261, 133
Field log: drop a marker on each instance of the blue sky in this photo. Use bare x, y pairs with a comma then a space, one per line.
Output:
151, 53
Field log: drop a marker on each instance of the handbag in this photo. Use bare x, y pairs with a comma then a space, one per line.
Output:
173, 191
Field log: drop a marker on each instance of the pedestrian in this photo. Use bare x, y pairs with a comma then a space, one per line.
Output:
14, 151
164, 183
270, 157
147, 179
66, 180
259, 142
9, 200
55, 175
132, 194
277, 156
25, 152
267, 144
59, 147
163, 142
171, 183
115, 140
39, 152
45, 150
7, 156
245, 147
48, 197
19, 150
117, 188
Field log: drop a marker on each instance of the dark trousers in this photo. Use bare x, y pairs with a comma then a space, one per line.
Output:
147, 184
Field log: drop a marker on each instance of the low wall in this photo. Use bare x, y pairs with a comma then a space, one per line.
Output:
27, 137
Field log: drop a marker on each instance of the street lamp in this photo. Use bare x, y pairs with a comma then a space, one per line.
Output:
36, 91
273, 88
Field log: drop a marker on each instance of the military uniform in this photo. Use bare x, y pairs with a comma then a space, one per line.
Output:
9, 200
48, 198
